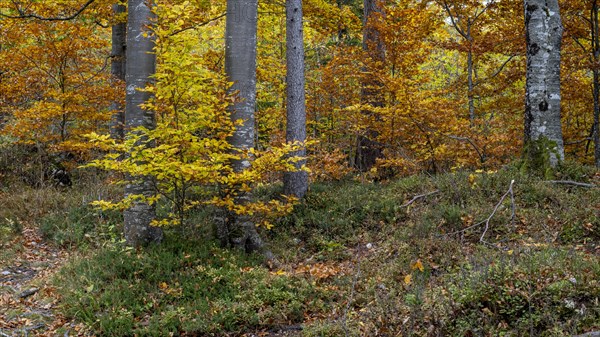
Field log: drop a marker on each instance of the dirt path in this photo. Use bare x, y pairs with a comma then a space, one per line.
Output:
27, 299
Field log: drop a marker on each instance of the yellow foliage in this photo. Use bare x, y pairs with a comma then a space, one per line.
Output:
190, 159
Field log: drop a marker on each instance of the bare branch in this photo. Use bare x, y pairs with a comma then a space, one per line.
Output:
589, 334
512, 217
486, 222
468, 140
24, 15
497, 71
453, 20
573, 183
198, 25
573, 142
417, 197
483, 10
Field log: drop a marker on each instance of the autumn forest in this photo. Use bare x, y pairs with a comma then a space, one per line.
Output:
299, 168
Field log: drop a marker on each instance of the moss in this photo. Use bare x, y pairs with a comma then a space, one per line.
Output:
537, 158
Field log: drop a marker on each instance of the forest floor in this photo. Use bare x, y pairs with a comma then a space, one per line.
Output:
27, 298
460, 254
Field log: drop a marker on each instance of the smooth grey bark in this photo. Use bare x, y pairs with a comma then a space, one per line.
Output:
368, 150
543, 30
117, 70
240, 68
141, 66
295, 183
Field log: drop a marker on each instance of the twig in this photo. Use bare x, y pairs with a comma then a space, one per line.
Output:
589, 334
417, 197
570, 182
24, 15
512, 217
35, 327
28, 292
198, 25
487, 221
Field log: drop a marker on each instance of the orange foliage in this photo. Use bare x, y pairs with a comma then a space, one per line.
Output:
55, 84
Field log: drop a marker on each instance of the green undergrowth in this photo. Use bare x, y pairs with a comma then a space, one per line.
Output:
182, 286
407, 257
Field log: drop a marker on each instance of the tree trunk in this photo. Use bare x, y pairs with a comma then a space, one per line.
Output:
140, 45
295, 183
596, 85
117, 70
240, 68
368, 149
470, 68
542, 97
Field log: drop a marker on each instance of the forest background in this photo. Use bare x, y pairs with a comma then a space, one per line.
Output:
436, 87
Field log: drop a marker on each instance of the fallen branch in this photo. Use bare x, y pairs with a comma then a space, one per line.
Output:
28, 292
512, 216
589, 334
570, 182
486, 222
417, 197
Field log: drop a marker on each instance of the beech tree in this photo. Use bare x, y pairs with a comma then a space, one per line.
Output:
543, 133
295, 183
140, 45
240, 69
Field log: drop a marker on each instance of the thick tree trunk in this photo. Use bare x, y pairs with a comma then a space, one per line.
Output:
240, 68
117, 70
295, 183
140, 68
368, 149
542, 98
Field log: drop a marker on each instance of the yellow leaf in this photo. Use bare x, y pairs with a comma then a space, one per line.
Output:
408, 279
417, 265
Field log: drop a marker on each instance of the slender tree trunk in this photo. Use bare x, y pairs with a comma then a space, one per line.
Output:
542, 97
470, 74
140, 68
368, 149
596, 85
117, 70
240, 68
295, 183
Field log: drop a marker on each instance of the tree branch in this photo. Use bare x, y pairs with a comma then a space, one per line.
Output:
417, 197
497, 71
573, 183
468, 140
454, 23
486, 222
198, 25
24, 15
